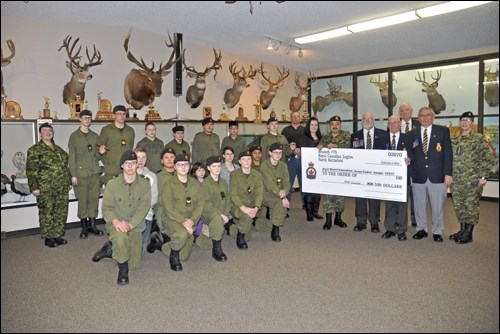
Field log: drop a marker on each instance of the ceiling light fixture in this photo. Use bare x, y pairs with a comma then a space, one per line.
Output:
443, 8
274, 44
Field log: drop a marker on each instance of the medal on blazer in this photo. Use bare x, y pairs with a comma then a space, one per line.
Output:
188, 201
438, 147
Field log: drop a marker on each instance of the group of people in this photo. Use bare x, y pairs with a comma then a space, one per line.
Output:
170, 197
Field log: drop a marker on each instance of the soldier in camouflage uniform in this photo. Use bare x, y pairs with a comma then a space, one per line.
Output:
336, 138
126, 201
273, 136
116, 138
49, 180
205, 143
153, 147
472, 163
178, 144
84, 156
246, 192
215, 197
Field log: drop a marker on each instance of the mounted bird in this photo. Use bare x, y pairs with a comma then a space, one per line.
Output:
22, 189
19, 161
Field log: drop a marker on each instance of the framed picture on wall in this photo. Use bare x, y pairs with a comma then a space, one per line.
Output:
332, 96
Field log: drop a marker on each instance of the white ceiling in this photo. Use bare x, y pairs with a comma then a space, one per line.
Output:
231, 28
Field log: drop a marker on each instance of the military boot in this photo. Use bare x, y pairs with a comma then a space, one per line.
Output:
93, 229
466, 237
175, 262
105, 251
240, 241
338, 220
122, 273
217, 252
455, 236
155, 243
315, 207
227, 226
85, 232
275, 233
309, 208
328, 223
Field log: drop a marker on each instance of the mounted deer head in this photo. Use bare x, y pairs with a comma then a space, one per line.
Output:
142, 86
491, 87
383, 88
320, 102
339, 95
296, 102
436, 100
80, 73
267, 96
196, 92
232, 95
6, 60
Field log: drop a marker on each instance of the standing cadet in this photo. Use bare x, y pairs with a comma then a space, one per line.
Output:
215, 197
182, 205
234, 140
205, 143
153, 147
246, 192
49, 180
84, 155
271, 137
126, 201
178, 144
276, 186
472, 163
293, 133
336, 138
116, 138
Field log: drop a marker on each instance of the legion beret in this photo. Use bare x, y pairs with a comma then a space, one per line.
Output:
177, 128
45, 125
254, 148
181, 158
86, 113
207, 120
167, 150
119, 107
467, 114
233, 123
128, 155
275, 146
214, 159
245, 153
272, 119
335, 119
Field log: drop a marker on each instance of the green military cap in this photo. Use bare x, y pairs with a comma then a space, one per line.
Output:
214, 159
177, 128
207, 120
245, 153
467, 114
127, 156
181, 158
271, 120
275, 146
335, 119
167, 150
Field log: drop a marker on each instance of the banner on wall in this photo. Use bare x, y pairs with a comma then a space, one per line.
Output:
375, 174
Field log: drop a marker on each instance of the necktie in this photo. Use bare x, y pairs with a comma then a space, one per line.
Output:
425, 142
368, 141
393, 142
407, 128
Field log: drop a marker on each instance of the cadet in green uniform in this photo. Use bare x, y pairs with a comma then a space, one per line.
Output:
182, 207
215, 197
126, 201
84, 155
276, 186
116, 138
178, 144
153, 147
234, 140
49, 180
271, 137
472, 163
256, 151
205, 143
336, 138
246, 192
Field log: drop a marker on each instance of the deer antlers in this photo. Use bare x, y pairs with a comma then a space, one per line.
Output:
95, 60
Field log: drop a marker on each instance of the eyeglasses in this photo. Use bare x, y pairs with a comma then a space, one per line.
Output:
180, 164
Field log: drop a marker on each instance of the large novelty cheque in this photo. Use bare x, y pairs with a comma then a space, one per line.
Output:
376, 174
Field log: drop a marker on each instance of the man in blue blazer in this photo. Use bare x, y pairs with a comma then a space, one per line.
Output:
367, 138
431, 172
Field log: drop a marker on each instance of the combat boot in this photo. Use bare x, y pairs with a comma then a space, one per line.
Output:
315, 207
93, 229
328, 223
105, 251
175, 262
85, 232
466, 237
338, 220
240, 241
155, 243
457, 235
122, 273
275, 233
217, 252
227, 226
309, 208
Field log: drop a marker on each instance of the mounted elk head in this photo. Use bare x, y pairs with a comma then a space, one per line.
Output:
142, 86
232, 95
383, 88
296, 102
80, 73
320, 102
267, 96
6, 60
339, 95
196, 92
436, 100
491, 87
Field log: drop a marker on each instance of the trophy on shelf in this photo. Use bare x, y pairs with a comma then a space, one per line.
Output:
152, 114
305, 114
272, 114
241, 114
104, 113
75, 107
258, 111
283, 116
206, 112
223, 115
46, 109
11, 109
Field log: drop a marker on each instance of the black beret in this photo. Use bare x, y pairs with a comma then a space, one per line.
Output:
119, 107
214, 159
275, 146
177, 128
86, 113
167, 150
245, 153
233, 123
207, 120
335, 119
181, 158
467, 114
254, 148
128, 155
272, 119
45, 125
